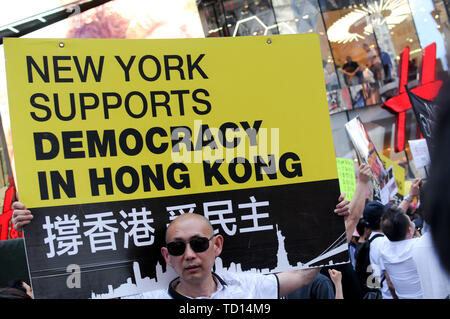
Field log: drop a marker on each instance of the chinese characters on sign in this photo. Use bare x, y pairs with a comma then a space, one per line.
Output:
67, 232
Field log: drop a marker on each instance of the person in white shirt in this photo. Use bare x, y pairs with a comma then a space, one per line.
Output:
374, 61
434, 281
368, 75
397, 253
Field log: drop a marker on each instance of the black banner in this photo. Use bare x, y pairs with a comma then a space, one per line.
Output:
425, 112
108, 250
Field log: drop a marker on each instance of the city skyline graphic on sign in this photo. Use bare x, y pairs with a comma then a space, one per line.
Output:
162, 279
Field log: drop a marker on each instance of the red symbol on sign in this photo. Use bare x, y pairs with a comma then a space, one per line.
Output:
428, 89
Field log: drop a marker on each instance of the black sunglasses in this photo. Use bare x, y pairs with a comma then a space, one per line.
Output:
198, 245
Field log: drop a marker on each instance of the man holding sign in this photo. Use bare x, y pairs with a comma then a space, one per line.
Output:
191, 249
126, 138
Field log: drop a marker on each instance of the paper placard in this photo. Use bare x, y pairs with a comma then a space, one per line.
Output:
347, 178
419, 151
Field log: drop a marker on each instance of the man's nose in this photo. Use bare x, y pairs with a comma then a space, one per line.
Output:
189, 253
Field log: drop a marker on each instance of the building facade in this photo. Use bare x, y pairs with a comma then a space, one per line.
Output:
368, 34
361, 43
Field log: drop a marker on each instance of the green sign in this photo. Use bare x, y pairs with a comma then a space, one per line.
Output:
347, 178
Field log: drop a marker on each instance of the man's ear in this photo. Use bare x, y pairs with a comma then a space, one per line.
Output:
411, 232
165, 254
218, 245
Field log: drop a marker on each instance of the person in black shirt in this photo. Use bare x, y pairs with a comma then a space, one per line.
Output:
350, 70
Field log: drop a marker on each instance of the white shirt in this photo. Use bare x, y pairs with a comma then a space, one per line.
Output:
433, 279
377, 264
368, 76
372, 54
230, 285
399, 264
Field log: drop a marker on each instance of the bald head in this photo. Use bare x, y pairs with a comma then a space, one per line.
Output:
194, 260
189, 223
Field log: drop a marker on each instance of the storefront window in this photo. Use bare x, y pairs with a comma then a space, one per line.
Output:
394, 29
213, 19
327, 5
238, 18
354, 47
361, 40
304, 16
431, 20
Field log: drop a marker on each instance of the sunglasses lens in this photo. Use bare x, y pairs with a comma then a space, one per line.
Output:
199, 244
176, 248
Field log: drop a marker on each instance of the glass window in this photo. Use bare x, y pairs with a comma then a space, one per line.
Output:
213, 19
304, 16
254, 18
431, 21
394, 30
238, 17
354, 47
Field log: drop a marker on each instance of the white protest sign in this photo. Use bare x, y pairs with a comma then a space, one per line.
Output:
390, 189
419, 151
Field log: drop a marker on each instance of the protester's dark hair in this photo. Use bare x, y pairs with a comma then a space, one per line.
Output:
437, 205
395, 224
361, 226
18, 284
372, 214
13, 293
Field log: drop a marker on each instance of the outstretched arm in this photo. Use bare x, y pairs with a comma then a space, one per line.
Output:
358, 201
390, 285
293, 280
336, 278
414, 191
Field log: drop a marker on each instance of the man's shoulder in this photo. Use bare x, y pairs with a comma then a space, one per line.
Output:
376, 246
152, 294
249, 280
251, 285
377, 238
230, 277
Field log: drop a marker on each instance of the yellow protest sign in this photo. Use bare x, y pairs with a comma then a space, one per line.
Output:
408, 185
399, 173
102, 120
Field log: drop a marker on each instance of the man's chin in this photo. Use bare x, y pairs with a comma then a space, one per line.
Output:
195, 273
